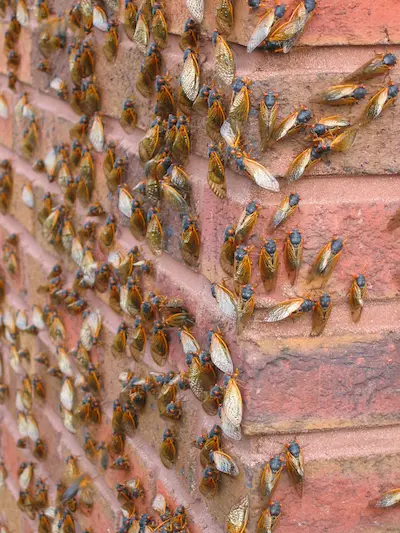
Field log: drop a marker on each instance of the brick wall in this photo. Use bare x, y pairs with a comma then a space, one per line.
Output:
338, 393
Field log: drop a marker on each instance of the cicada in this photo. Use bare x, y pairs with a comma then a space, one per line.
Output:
270, 475
268, 263
165, 104
245, 307
241, 267
267, 117
293, 251
292, 123
154, 232
96, 135
110, 47
386, 499
30, 139
180, 149
306, 160
137, 340
219, 352
254, 170
80, 129
225, 298
128, 117
227, 255
380, 101
129, 420
190, 241
232, 404
238, 516
264, 26
285, 209
269, 518
216, 171
196, 9
90, 329
159, 26
240, 102
22, 13
209, 482
295, 465
168, 449
151, 142
119, 342
114, 178
11, 81
328, 126
108, 232
90, 98
99, 18
224, 16
189, 37
130, 13
380, 64
224, 60
246, 222
289, 308
343, 94
224, 463
326, 260
141, 35
159, 344
284, 36
320, 314
190, 75
215, 115
358, 292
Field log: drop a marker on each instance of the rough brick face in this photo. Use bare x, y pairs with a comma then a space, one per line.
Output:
337, 393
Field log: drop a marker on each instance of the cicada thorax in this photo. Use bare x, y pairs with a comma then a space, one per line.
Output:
358, 292
159, 344
241, 267
215, 115
326, 260
267, 118
246, 222
216, 171
320, 314
380, 64
190, 241
269, 518
224, 60
295, 465
240, 103
268, 263
286, 208
189, 37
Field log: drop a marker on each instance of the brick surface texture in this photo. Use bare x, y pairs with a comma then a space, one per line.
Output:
339, 393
